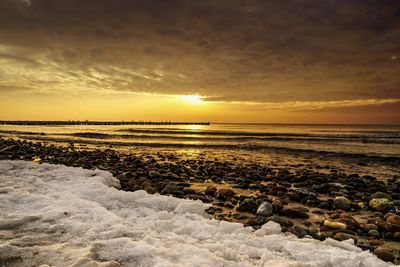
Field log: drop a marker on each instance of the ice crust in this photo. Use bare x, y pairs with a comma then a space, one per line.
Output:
52, 215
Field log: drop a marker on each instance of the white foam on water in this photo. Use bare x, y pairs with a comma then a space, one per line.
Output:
52, 215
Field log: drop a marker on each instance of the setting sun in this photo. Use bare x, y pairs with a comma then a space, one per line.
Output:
192, 99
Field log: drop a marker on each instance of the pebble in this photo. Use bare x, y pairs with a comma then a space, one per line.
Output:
248, 205
394, 220
294, 213
384, 254
343, 236
154, 174
226, 192
277, 204
265, 209
334, 225
281, 220
368, 227
257, 221
298, 231
379, 204
210, 190
342, 203
381, 195
375, 242
169, 189
374, 233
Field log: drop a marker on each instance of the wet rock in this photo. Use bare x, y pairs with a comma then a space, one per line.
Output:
342, 203
210, 191
325, 205
317, 211
396, 235
334, 225
368, 227
171, 176
7, 148
274, 189
277, 204
298, 231
381, 195
294, 196
226, 192
196, 197
393, 219
384, 254
239, 216
303, 193
375, 242
212, 210
183, 184
294, 213
307, 223
374, 233
248, 205
361, 205
379, 204
324, 235
343, 236
229, 205
257, 221
281, 220
169, 189
265, 209
189, 191
348, 220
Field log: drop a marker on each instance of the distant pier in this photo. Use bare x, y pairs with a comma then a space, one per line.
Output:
51, 123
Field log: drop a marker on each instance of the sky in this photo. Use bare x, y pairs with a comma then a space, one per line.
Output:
264, 61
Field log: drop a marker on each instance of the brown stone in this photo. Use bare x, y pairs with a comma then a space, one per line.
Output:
384, 254
369, 226
277, 204
393, 219
375, 242
343, 236
226, 192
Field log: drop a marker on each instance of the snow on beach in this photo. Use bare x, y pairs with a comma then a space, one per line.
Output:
53, 215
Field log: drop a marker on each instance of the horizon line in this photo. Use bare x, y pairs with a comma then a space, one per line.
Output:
205, 122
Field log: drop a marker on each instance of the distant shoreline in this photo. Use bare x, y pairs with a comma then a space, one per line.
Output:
87, 122
101, 123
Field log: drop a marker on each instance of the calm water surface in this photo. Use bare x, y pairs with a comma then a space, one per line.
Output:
353, 148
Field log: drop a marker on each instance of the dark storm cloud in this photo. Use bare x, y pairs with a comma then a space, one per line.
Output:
262, 51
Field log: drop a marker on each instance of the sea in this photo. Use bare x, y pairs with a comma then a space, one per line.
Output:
365, 149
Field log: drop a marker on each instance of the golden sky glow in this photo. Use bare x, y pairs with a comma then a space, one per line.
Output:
220, 61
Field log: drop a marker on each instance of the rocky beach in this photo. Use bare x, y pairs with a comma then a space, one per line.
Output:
320, 202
